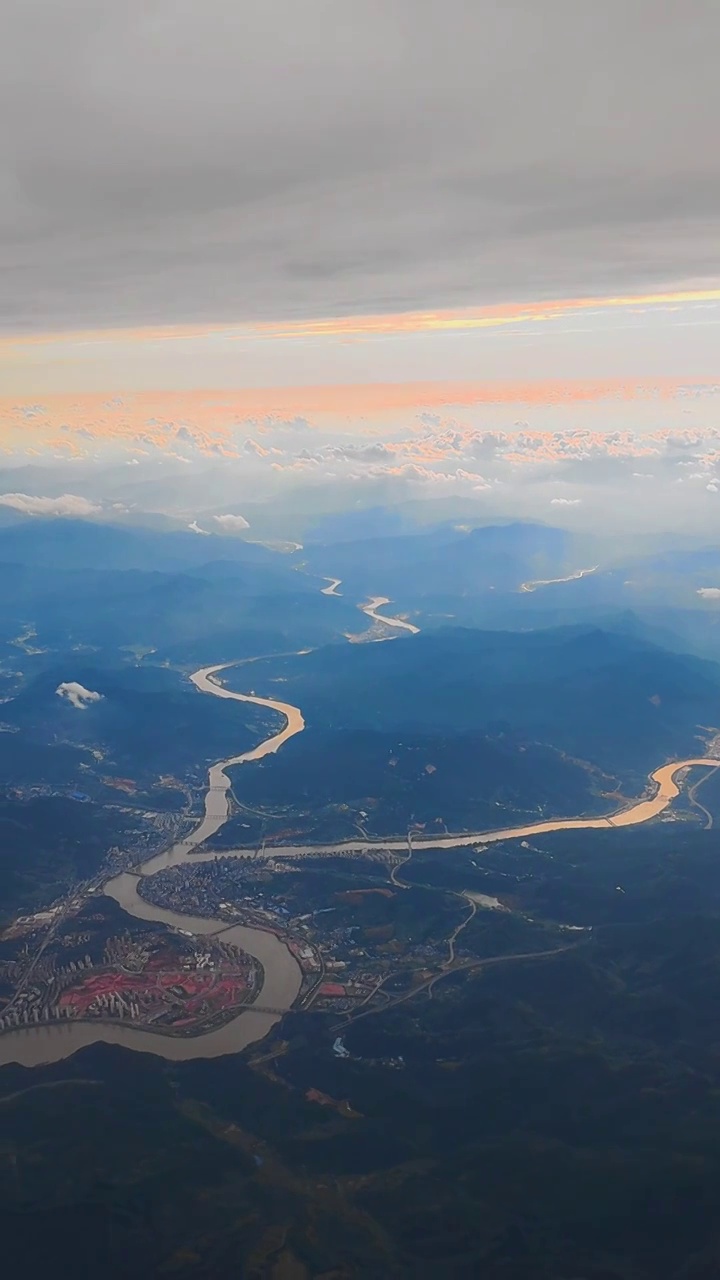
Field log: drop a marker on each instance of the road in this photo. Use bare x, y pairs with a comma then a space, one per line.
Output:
465, 967
692, 797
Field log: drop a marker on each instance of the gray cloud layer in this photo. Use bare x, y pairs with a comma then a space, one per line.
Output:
169, 160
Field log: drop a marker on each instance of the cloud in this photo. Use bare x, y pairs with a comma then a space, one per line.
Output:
709, 593
221, 418
252, 446
68, 504
232, 524
359, 180
655, 470
195, 527
464, 319
375, 452
77, 695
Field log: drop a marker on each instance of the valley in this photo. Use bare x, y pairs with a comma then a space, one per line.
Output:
368, 930
277, 952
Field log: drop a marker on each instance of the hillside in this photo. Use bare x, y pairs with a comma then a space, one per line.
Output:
448, 559
612, 699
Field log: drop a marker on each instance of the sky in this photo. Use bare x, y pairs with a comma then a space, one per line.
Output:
286, 237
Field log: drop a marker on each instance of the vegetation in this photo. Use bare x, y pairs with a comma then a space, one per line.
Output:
533, 1092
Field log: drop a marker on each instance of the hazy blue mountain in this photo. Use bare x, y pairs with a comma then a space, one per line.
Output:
78, 583
84, 544
611, 698
367, 523
148, 721
447, 560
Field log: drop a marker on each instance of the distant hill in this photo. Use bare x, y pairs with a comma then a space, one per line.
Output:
148, 721
169, 611
86, 544
334, 784
368, 523
449, 560
75, 582
613, 699
521, 576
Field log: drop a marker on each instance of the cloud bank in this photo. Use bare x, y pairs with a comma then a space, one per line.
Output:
647, 474
68, 504
281, 159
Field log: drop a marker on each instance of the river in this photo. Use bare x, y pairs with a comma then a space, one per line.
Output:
635, 813
371, 609
551, 582
32, 1046
282, 976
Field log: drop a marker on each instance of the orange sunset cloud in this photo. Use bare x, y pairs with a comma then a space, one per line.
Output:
212, 415
482, 317
382, 325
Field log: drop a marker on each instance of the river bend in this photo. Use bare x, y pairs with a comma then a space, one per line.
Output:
282, 976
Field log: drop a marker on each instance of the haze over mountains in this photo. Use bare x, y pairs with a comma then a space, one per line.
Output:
502, 1035
359, 640
515, 650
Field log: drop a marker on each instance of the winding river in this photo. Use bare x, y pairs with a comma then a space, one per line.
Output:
282, 977
552, 582
371, 610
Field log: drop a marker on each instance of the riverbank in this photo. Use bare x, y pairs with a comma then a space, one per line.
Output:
371, 611
282, 976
